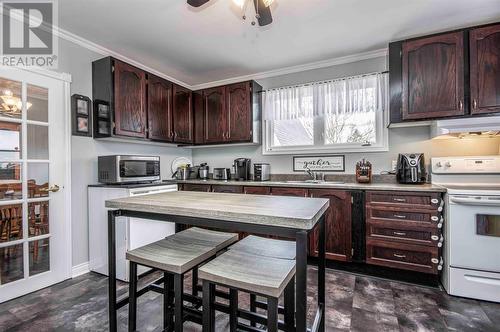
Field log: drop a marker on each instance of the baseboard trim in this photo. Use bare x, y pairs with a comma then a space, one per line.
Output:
80, 269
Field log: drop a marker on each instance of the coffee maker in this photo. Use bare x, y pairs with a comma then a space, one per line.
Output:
411, 168
241, 169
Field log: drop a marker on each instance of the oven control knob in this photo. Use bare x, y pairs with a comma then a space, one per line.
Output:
439, 164
447, 164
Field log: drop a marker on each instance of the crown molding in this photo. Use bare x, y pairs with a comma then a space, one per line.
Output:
71, 37
296, 69
75, 39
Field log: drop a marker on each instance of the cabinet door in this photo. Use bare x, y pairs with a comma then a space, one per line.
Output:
338, 225
182, 115
433, 77
239, 112
281, 191
485, 69
159, 109
130, 100
214, 105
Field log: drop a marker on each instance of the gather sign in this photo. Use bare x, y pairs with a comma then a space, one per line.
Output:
330, 163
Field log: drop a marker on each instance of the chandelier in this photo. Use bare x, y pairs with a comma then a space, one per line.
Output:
243, 4
12, 105
262, 9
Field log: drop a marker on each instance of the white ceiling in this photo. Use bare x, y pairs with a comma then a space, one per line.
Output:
213, 43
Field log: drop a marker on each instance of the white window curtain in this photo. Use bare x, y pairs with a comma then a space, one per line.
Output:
366, 93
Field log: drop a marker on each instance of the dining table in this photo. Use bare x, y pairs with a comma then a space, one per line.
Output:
293, 218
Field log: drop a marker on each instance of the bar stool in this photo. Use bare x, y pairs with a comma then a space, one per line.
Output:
174, 255
267, 247
238, 270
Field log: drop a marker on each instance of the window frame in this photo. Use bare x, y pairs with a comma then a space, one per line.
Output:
381, 144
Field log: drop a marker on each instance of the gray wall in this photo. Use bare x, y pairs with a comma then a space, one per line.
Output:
76, 60
416, 139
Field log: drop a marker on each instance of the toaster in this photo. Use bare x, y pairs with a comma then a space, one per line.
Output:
261, 172
222, 174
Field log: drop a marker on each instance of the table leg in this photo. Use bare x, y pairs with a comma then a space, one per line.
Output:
321, 271
112, 270
301, 280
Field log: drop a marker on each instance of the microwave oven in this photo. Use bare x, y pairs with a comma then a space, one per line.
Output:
128, 169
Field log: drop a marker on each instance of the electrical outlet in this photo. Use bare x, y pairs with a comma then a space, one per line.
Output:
394, 165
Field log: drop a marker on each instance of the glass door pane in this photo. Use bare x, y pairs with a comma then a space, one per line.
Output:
10, 99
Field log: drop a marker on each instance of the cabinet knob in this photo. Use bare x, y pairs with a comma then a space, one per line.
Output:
474, 104
461, 105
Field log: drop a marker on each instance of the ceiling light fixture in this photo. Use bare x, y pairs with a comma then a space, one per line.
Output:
262, 9
12, 105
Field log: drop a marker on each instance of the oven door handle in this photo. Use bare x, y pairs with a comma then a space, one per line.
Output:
475, 201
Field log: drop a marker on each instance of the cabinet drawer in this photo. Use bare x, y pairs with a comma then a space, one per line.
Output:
407, 233
402, 256
404, 199
257, 190
423, 217
196, 187
280, 191
227, 189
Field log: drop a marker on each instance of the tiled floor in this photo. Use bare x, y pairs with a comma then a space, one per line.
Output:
354, 303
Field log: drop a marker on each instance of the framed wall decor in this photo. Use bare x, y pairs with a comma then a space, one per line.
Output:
326, 163
102, 119
81, 107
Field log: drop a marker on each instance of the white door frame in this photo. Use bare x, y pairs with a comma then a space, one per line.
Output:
66, 257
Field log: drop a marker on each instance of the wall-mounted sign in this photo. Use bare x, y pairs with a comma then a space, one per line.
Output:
331, 163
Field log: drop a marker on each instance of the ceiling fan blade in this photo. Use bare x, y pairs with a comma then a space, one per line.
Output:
197, 3
264, 13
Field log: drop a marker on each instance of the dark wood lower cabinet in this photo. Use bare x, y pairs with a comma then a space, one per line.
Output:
282, 191
227, 189
338, 225
196, 187
257, 190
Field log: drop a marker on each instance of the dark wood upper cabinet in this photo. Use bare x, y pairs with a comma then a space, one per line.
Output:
433, 77
130, 100
338, 239
239, 112
159, 109
182, 111
215, 115
485, 69
227, 114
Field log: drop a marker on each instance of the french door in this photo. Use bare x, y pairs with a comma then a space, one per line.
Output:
35, 247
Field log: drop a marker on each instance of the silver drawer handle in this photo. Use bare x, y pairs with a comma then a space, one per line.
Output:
435, 237
434, 201
399, 233
399, 256
399, 199
434, 260
434, 218
400, 216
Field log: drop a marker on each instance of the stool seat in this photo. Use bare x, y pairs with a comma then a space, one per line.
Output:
200, 236
252, 273
266, 247
182, 251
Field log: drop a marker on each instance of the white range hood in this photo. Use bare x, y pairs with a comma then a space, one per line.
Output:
478, 126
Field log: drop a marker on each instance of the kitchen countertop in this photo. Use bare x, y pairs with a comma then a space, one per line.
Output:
347, 185
282, 211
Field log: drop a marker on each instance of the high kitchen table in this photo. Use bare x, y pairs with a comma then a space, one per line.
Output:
290, 217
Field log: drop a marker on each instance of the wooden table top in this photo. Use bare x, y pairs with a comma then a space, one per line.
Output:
291, 212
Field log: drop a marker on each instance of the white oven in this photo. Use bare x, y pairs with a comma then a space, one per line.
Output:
473, 247
472, 225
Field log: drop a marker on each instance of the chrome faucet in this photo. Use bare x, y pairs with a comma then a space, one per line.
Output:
315, 176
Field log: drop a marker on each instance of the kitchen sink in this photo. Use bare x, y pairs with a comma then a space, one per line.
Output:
315, 182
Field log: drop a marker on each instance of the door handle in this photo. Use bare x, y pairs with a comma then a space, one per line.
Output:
55, 188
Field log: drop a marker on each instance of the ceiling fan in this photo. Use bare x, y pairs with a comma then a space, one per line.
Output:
262, 9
